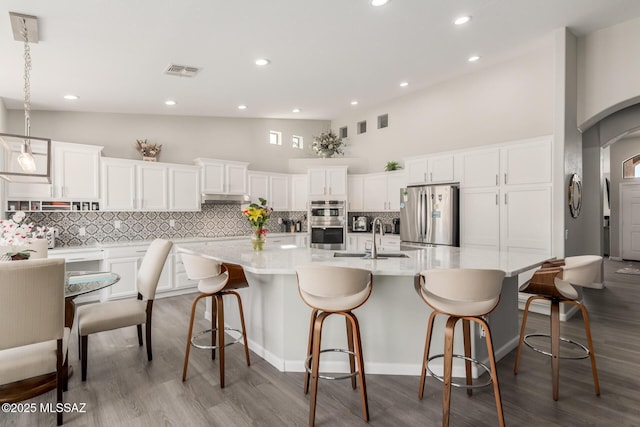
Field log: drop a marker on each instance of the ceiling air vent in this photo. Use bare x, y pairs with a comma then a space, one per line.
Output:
181, 70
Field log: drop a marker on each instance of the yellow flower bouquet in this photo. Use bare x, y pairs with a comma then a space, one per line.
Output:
258, 214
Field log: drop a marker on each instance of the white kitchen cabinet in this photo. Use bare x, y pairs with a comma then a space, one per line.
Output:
430, 169
516, 163
270, 186
223, 176
130, 185
299, 192
385, 243
75, 175
352, 242
278, 241
125, 261
180, 278
152, 183
302, 240
184, 188
382, 191
328, 182
480, 218
118, 185
355, 185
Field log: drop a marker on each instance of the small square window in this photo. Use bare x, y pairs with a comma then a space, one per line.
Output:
275, 138
297, 142
362, 127
383, 121
343, 132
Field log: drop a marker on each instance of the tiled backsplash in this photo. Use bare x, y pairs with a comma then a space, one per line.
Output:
213, 221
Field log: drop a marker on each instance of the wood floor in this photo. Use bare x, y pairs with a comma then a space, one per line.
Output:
122, 389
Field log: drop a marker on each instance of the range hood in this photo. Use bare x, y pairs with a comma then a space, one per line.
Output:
209, 198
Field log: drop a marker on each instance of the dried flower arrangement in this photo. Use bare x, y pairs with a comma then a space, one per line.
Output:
149, 151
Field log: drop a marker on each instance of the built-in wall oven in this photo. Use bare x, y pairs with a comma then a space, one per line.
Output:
327, 224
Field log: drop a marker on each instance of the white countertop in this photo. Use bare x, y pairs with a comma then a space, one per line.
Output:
284, 260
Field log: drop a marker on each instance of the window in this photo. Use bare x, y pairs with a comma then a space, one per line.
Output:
296, 142
362, 127
343, 132
383, 121
275, 138
631, 167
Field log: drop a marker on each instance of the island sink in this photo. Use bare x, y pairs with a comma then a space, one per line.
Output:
367, 255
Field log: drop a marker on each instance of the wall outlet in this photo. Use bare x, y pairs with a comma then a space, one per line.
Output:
172, 223
82, 231
116, 224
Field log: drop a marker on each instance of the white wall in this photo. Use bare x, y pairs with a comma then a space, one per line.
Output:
608, 70
509, 101
183, 138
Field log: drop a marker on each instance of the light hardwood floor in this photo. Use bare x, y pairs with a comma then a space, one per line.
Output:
122, 389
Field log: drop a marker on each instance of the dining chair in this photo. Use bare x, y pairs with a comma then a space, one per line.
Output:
33, 339
106, 316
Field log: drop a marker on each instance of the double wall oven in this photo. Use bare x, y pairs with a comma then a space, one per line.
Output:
327, 223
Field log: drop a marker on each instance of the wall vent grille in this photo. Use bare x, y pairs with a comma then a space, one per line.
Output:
181, 70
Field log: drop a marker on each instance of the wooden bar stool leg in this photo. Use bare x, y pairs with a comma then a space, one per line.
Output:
592, 355
214, 325
221, 336
352, 359
448, 369
466, 332
555, 346
494, 371
522, 329
189, 335
307, 375
315, 365
427, 344
360, 357
244, 330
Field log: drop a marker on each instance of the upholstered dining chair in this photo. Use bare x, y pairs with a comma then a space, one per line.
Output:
106, 316
33, 339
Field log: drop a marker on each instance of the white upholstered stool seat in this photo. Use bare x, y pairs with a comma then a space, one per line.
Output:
554, 282
215, 280
467, 295
334, 290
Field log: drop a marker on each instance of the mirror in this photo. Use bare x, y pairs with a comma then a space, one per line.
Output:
575, 195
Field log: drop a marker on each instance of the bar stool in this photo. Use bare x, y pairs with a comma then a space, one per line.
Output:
334, 290
553, 282
467, 295
215, 280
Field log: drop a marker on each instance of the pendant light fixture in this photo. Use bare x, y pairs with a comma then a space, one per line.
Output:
25, 29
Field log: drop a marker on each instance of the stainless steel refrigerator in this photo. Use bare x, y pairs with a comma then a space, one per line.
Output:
429, 214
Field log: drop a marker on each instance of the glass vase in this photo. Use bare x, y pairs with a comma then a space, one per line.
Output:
257, 241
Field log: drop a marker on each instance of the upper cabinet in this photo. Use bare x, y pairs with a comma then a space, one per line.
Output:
130, 185
382, 191
518, 163
75, 175
299, 187
274, 187
430, 169
223, 176
355, 184
328, 182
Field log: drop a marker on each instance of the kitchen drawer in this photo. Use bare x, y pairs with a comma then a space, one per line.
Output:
79, 255
127, 251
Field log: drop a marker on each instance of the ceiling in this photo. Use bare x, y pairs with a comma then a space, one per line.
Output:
324, 53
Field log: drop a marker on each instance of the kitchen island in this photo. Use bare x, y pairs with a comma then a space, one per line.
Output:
393, 321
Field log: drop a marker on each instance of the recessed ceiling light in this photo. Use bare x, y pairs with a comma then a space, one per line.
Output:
404, 84
473, 58
71, 97
262, 62
170, 102
379, 2
295, 110
354, 102
242, 107
461, 20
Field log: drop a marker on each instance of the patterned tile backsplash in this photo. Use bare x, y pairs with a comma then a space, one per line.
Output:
213, 221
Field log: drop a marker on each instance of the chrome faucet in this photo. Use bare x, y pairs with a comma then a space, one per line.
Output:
374, 250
